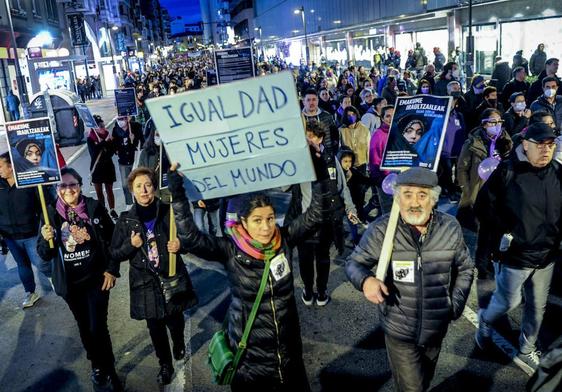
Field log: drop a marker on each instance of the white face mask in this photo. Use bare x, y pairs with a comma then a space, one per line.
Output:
551, 92
519, 106
122, 124
456, 73
157, 140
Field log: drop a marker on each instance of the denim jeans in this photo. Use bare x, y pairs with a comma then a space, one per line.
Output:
25, 253
213, 220
125, 170
535, 284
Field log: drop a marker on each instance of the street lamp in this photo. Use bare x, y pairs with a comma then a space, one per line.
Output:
19, 77
301, 11
258, 29
114, 28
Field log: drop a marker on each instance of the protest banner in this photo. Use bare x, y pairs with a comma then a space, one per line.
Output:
33, 152
86, 116
236, 138
126, 102
234, 64
417, 132
416, 137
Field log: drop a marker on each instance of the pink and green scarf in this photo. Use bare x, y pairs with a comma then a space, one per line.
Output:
250, 246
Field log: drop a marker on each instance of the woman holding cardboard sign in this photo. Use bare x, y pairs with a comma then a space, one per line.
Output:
262, 332
142, 236
83, 272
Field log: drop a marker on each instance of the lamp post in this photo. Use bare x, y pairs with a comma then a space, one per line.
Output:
19, 77
108, 30
307, 51
258, 29
469, 62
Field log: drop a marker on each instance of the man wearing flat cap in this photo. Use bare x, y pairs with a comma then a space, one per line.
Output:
521, 205
427, 282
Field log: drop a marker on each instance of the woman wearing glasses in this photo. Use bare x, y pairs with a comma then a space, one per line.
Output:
83, 271
490, 139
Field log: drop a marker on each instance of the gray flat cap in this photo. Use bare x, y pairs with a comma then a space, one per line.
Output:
417, 176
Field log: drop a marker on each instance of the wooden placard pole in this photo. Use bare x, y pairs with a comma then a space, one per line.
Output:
388, 242
45, 215
173, 231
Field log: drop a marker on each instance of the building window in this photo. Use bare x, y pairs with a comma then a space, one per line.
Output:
16, 8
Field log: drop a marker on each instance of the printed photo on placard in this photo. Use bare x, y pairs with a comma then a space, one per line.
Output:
417, 132
33, 152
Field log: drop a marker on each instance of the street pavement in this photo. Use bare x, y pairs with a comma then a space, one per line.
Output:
40, 348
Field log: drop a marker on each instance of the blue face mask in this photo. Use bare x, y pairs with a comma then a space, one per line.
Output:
425, 90
478, 90
352, 118
494, 130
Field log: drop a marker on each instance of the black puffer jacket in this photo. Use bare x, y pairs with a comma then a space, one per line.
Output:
527, 202
274, 352
19, 211
103, 230
420, 306
147, 300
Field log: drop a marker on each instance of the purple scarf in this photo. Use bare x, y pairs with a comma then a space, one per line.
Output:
70, 214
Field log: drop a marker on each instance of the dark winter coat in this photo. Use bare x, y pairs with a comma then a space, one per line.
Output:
501, 74
536, 90
147, 300
537, 62
527, 202
274, 345
541, 104
332, 138
103, 230
422, 302
513, 122
20, 211
122, 142
513, 86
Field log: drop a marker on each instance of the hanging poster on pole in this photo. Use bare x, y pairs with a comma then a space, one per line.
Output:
234, 64
235, 138
126, 102
86, 116
417, 132
32, 152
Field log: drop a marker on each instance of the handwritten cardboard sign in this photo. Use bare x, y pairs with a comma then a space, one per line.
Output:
235, 138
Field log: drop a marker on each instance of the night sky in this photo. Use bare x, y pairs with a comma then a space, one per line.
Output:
188, 9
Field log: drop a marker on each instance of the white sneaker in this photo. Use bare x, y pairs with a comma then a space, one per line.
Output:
30, 300
530, 360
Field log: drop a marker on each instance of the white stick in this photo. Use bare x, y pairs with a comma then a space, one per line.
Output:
388, 243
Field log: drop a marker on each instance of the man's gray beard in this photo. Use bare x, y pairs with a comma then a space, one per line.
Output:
416, 221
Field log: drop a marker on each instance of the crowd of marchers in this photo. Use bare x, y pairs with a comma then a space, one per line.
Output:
346, 112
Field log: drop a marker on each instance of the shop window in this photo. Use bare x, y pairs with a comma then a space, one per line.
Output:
16, 8
485, 47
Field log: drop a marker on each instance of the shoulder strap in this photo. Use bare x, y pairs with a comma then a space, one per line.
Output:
252, 317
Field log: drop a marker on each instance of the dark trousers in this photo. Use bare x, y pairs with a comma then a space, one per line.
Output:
159, 335
445, 174
483, 254
412, 366
294, 380
89, 307
315, 254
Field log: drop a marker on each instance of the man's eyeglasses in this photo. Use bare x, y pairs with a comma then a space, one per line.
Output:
72, 186
543, 146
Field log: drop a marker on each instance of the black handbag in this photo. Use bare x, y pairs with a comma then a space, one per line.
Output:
178, 288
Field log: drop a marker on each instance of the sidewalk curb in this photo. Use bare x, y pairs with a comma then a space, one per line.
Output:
79, 152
